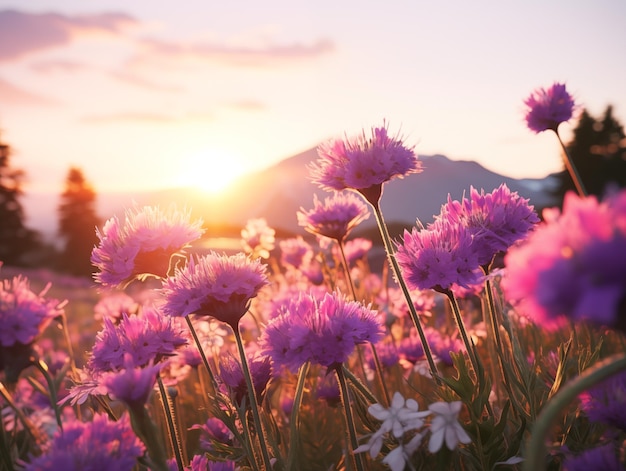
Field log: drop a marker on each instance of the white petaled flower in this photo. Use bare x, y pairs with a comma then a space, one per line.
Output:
400, 417
445, 425
399, 457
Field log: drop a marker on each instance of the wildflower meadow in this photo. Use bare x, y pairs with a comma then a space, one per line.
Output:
491, 339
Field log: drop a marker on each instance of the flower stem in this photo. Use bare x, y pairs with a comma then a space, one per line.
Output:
294, 423
379, 370
254, 406
398, 274
33, 431
43, 368
345, 400
146, 431
168, 408
201, 351
571, 168
461, 326
535, 460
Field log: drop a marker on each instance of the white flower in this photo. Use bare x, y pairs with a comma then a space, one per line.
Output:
374, 445
400, 417
445, 424
399, 457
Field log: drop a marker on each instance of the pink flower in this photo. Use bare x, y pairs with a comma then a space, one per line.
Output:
215, 285
336, 217
573, 265
547, 108
257, 238
142, 245
363, 164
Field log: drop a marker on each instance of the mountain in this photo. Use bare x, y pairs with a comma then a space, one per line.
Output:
278, 192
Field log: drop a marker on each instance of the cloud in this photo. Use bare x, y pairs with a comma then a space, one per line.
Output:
50, 66
240, 55
144, 118
12, 95
23, 33
248, 105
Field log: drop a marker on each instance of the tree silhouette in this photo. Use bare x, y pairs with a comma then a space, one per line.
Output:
77, 223
16, 240
598, 150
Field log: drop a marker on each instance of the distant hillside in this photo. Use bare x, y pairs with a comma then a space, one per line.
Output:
277, 193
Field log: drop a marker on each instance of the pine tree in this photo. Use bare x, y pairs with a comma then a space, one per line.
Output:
77, 223
598, 150
16, 240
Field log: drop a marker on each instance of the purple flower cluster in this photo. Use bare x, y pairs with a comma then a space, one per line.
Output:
146, 338
231, 374
98, 445
142, 245
606, 402
23, 314
336, 217
215, 285
257, 238
605, 457
574, 264
495, 220
363, 164
549, 107
322, 330
438, 256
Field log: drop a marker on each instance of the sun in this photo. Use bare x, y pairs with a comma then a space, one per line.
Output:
209, 170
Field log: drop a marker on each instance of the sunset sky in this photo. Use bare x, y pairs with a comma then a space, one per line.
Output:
152, 94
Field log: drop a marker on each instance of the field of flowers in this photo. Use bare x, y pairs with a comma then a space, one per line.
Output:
492, 339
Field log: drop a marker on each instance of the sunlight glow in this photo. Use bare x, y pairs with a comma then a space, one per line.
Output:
210, 170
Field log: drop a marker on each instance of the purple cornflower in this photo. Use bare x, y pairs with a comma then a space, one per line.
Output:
148, 337
323, 331
356, 249
442, 345
547, 108
202, 463
574, 264
363, 163
213, 430
23, 317
142, 245
231, 373
336, 217
495, 220
604, 457
257, 238
438, 256
23, 314
114, 305
606, 402
98, 445
220, 286
295, 252
132, 384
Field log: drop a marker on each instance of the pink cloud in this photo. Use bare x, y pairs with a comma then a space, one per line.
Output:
23, 33
240, 55
12, 95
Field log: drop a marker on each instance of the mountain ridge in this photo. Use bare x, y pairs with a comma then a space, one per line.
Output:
277, 192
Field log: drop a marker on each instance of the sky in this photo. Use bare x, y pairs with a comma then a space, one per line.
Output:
154, 94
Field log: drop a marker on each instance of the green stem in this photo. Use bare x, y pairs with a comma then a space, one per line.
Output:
168, 408
254, 406
461, 326
43, 368
571, 168
535, 459
34, 433
146, 431
360, 386
377, 366
405, 290
351, 427
294, 423
202, 355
